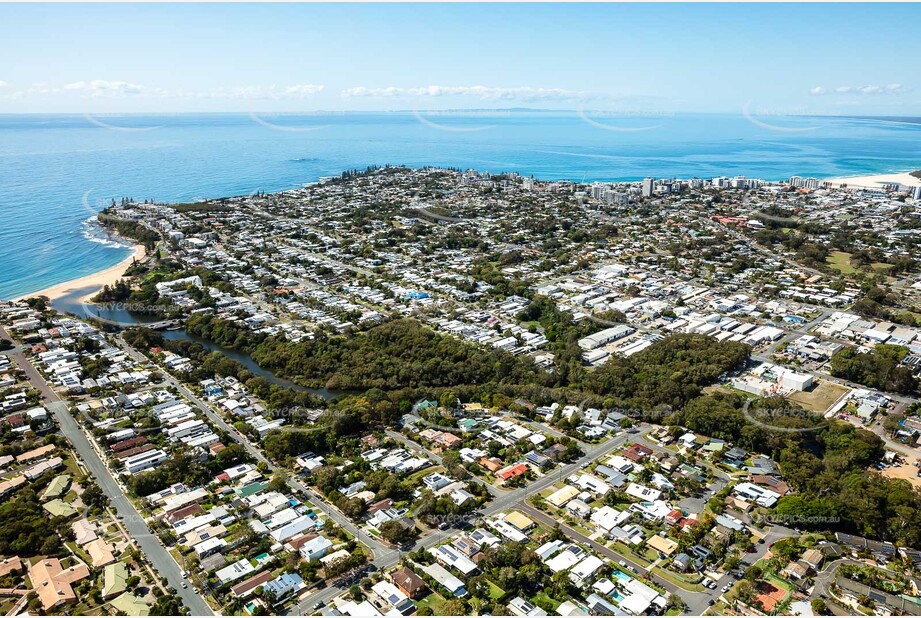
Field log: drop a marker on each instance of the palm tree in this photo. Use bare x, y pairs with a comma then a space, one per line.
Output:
235, 606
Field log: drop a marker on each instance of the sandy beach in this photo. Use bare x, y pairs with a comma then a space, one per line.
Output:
96, 280
876, 181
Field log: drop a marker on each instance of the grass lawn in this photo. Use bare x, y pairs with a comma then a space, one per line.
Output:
626, 552
433, 601
841, 261
783, 585
416, 477
678, 581
541, 599
495, 592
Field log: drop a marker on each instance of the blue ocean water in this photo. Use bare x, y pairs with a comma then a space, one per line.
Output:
57, 170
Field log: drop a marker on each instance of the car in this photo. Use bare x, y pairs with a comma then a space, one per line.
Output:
711, 602
183, 574
622, 563
318, 605
185, 584
726, 588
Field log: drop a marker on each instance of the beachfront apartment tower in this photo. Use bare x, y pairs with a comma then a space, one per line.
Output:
649, 185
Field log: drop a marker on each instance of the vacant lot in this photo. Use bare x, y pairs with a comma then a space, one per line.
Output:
906, 471
821, 397
841, 261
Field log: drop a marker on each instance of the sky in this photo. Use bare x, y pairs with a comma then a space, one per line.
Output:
770, 59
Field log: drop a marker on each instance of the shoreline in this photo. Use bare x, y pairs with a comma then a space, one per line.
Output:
875, 181
112, 274
95, 280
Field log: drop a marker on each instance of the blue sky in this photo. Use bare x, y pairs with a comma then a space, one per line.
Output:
628, 58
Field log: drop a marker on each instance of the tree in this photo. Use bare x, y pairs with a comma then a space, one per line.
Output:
819, 607
279, 481
453, 607
395, 532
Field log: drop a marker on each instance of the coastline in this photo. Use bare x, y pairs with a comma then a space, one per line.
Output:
110, 275
876, 181
95, 280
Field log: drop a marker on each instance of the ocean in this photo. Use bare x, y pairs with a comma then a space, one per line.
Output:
56, 171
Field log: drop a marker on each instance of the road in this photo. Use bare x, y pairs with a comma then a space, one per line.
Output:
161, 560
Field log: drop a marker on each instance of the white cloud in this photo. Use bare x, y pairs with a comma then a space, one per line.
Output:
4, 84
818, 90
873, 89
482, 92
98, 87
296, 91
304, 89
38, 88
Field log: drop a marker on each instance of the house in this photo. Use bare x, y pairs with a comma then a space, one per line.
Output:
812, 558
389, 594
436, 481
561, 496
512, 471
408, 582
520, 607
492, 464
758, 495
519, 520
681, 562
449, 556
441, 575
129, 605
240, 568
661, 544
53, 583
569, 557
283, 586
579, 509
795, 570
315, 548
114, 578
101, 553
248, 586
84, 531
10, 565
584, 571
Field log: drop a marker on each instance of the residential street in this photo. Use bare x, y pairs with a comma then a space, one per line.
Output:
161, 560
